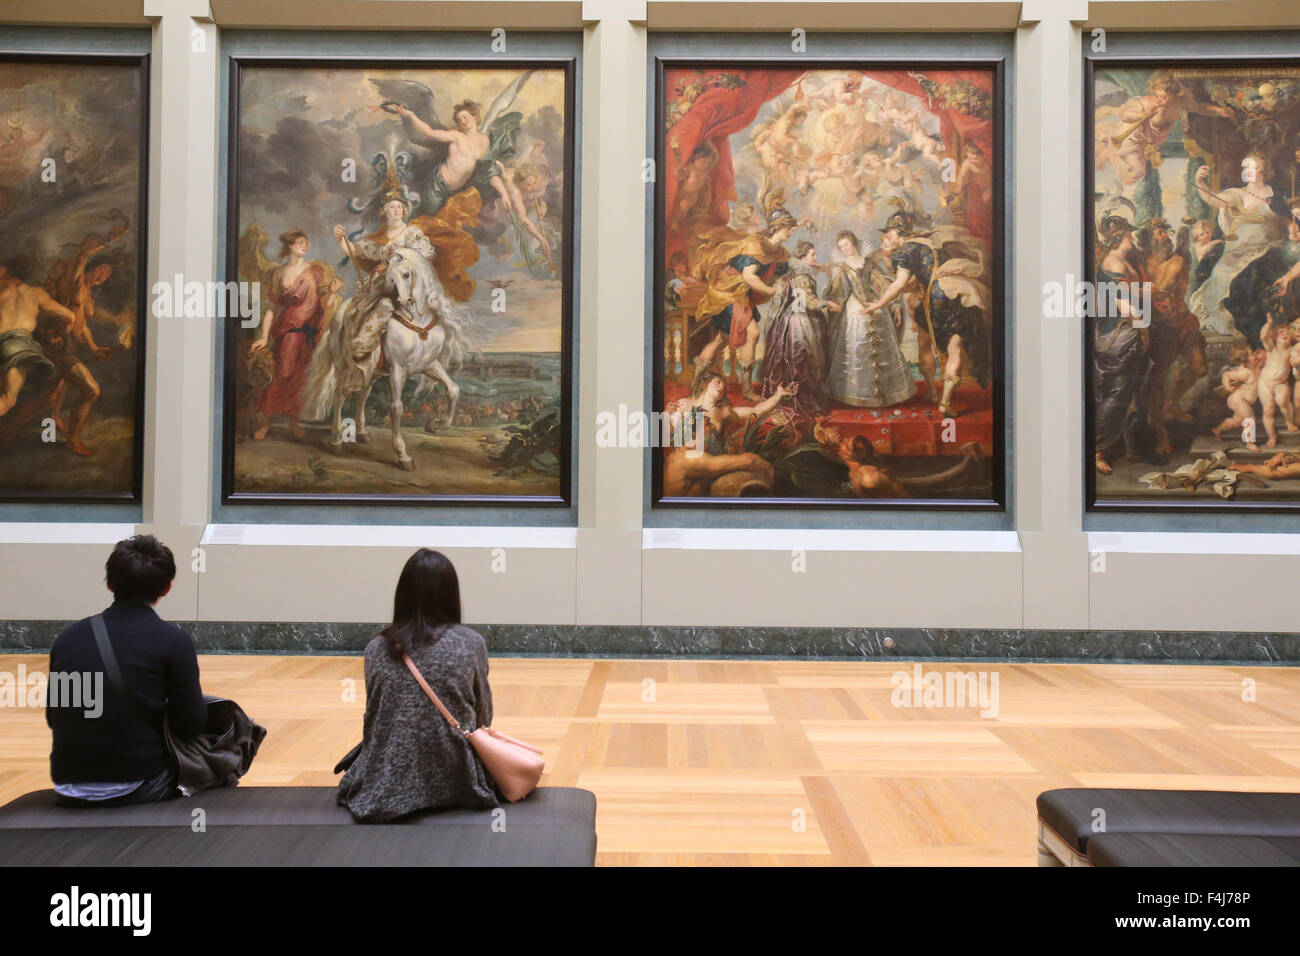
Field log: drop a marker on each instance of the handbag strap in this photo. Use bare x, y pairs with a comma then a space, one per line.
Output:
415, 671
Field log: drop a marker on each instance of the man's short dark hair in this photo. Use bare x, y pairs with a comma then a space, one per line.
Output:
140, 569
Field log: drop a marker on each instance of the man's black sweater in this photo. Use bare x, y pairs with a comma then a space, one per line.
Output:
125, 743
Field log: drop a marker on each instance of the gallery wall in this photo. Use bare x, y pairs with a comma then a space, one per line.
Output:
612, 561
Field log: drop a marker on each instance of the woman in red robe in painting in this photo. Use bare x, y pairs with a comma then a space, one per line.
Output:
300, 293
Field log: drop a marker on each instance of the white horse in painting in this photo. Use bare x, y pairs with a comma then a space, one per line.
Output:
424, 333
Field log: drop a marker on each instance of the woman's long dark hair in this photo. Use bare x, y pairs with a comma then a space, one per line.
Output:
427, 596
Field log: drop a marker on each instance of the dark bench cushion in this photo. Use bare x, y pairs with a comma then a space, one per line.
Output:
282, 806
518, 845
1069, 813
1191, 849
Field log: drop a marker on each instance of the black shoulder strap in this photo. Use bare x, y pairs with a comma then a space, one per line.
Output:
111, 666
107, 656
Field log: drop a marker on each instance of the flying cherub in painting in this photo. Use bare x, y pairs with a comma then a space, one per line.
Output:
894, 109
887, 171
779, 148
919, 140
472, 154
844, 90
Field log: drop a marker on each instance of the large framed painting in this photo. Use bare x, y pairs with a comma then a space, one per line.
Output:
828, 284
73, 166
1192, 298
408, 230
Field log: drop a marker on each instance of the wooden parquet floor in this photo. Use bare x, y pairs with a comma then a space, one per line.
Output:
793, 763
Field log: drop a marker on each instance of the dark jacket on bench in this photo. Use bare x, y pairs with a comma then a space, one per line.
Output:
221, 752
125, 743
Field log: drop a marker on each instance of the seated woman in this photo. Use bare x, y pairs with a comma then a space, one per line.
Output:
411, 758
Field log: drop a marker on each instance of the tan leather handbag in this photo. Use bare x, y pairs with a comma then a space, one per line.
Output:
515, 766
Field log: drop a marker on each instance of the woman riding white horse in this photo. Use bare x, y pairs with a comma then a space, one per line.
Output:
402, 304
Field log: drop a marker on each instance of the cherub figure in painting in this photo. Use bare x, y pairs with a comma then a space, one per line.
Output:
842, 90
1275, 379
970, 195
778, 146
918, 139
694, 195
1284, 465
1241, 386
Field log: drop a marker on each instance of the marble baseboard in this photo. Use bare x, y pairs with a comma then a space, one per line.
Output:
232, 637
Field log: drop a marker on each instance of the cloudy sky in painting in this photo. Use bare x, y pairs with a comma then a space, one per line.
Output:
297, 126
86, 121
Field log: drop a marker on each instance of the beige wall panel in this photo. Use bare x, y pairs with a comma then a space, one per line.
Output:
53, 582
839, 588
1176, 592
1249, 585
351, 584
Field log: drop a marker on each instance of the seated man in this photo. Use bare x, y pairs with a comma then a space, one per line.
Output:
119, 755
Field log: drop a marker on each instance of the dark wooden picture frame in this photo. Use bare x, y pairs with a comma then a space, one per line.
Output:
996, 501
565, 253
1092, 63
134, 494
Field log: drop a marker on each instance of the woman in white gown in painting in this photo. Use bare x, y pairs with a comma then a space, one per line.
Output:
865, 364
1250, 228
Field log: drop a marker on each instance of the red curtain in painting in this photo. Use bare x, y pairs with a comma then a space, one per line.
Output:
714, 116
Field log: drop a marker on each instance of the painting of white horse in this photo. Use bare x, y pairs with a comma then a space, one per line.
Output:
423, 333
412, 334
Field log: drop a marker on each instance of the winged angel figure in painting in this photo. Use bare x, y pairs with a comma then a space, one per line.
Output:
471, 154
